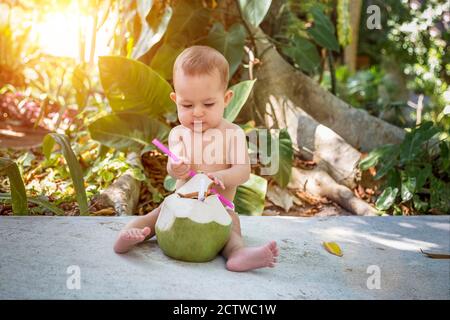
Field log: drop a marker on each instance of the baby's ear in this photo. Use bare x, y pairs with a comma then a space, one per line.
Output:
173, 96
228, 96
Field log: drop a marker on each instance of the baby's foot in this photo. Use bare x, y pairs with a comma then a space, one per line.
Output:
245, 259
128, 238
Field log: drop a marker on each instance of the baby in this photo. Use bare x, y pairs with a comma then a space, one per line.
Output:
200, 77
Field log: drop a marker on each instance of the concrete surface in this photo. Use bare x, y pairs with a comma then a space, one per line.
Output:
36, 252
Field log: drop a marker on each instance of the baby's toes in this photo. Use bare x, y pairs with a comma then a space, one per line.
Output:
272, 246
146, 231
276, 252
134, 234
125, 235
139, 235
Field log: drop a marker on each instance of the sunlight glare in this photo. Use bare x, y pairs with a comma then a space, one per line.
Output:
59, 34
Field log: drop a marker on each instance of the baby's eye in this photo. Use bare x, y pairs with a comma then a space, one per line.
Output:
186, 105
209, 104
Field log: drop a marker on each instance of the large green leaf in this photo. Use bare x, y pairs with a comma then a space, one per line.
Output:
188, 23
304, 53
286, 157
408, 187
387, 198
128, 131
276, 153
421, 175
230, 43
375, 155
250, 196
393, 179
411, 146
241, 92
131, 86
149, 36
18, 194
323, 32
419, 204
164, 59
74, 166
389, 161
254, 11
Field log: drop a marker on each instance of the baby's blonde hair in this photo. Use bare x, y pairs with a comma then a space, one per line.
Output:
199, 60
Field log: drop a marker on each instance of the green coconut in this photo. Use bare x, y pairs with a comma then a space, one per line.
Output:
190, 226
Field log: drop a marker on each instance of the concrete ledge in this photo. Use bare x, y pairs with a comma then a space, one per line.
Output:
35, 253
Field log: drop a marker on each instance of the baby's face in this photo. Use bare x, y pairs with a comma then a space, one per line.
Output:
200, 100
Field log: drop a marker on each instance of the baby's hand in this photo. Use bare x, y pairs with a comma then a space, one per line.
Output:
218, 180
180, 168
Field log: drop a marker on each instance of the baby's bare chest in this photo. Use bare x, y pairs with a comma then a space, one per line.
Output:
208, 152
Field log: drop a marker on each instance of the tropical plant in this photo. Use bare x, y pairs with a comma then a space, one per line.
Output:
17, 197
74, 167
300, 41
137, 92
415, 173
414, 42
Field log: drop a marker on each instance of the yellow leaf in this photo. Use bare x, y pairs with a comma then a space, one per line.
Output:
333, 248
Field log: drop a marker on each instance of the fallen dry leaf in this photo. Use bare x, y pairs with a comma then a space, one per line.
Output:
333, 248
280, 197
298, 201
436, 255
308, 198
105, 212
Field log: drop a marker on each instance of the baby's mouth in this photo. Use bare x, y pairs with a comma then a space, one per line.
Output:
197, 123
198, 126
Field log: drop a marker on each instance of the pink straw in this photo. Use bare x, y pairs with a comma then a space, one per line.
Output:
192, 173
166, 150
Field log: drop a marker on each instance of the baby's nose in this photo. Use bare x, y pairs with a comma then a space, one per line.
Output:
198, 112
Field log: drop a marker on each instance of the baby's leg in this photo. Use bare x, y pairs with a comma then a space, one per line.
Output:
136, 231
241, 258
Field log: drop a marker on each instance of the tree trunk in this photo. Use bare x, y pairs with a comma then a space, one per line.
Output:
327, 149
315, 141
319, 183
123, 194
278, 79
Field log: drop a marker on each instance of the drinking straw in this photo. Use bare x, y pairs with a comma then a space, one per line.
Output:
192, 173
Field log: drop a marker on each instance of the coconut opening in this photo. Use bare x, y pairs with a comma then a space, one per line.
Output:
198, 187
187, 203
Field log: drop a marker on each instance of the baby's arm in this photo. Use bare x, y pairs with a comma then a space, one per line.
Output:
239, 172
